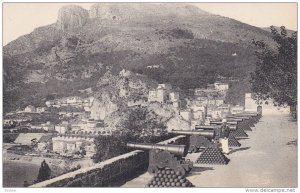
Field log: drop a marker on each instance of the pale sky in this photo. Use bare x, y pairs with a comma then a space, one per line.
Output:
21, 18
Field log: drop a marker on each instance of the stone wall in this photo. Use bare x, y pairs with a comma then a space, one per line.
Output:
111, 172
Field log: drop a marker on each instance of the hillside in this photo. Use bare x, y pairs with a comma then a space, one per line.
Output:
190, 46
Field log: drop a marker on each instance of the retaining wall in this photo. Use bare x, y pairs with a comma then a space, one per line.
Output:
106, 173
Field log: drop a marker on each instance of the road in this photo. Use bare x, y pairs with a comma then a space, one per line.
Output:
268, 158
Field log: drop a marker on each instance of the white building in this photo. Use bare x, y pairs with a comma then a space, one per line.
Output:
186, 114
221, 86
224, 109
124, 91
167, 87
72, 144
89, 101
204, 92
174, 96
44, 143
49, 103
40, 109
196, 106
8, 122
125, 73
212, 102
219, 102
30, 109
176, 104
61, 128
214, 112
161, 93
74, 99
198, 115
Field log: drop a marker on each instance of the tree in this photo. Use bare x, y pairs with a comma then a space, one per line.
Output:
110, 146
275, 76
44, 172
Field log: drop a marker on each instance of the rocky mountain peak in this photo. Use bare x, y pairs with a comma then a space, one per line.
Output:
124, 11
71, 17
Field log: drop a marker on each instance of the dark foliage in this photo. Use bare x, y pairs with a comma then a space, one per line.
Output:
275, 75
139, 127
196, 64
141, 122
236, 92
179, 33
111, 146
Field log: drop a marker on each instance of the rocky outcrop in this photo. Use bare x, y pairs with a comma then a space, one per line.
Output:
71, 17
127, 11
103, 107
177, 123
161, 110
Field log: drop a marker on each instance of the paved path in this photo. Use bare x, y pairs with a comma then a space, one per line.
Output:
264, 160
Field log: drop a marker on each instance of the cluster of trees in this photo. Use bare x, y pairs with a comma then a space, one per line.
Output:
275, 75
114, 145
180, 33
143, 122
138, 127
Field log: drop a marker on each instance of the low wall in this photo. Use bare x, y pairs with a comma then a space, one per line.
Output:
105, 173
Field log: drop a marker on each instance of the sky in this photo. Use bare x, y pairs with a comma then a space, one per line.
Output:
22, 18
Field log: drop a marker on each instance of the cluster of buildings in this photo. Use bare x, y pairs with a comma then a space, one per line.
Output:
153, 66
65, 145
32, 109
75, 134
74, 101
207, 103
163, 94
71, 145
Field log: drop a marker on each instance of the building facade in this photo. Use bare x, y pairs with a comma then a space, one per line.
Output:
69, 145
30, 109
221, 86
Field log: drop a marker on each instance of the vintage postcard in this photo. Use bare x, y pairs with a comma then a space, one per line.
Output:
150, 95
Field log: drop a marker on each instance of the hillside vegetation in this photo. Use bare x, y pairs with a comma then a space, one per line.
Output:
191, 47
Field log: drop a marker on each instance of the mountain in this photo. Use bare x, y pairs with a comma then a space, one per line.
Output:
188, 46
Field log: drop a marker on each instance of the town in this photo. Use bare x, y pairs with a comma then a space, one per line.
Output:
77, 125
65, 130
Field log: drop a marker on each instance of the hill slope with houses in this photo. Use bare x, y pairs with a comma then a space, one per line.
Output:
178, 44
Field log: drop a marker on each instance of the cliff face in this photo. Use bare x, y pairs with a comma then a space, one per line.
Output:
176, 123
103, 107
71, 17
109, 94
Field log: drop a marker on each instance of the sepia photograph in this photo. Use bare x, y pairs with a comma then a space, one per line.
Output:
150, 95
